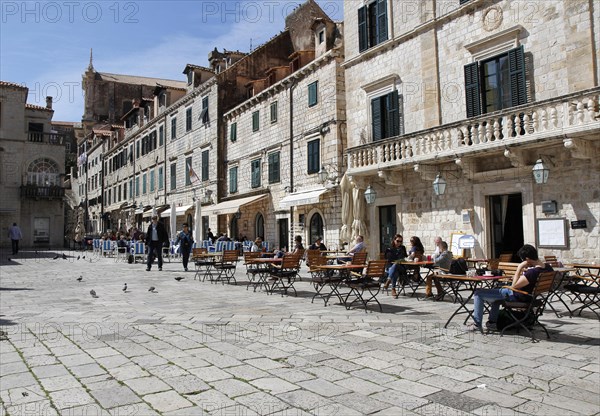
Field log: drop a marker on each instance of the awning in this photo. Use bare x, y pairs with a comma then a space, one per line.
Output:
302, 198
159, 210
232, 206
178, 211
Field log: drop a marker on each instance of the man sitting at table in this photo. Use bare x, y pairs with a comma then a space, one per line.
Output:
524, 279
442, 260
358, 247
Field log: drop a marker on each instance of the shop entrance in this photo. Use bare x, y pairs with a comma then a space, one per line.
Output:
506, 224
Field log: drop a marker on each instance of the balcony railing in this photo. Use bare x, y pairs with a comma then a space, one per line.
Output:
528, 123
42, 192
47, 138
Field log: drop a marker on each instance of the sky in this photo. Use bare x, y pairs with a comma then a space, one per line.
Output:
45, 45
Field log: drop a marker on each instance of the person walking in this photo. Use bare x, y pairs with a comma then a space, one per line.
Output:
14, 233
155, 237
185, 241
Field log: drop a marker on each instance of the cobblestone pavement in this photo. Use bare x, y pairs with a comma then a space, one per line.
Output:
197, 348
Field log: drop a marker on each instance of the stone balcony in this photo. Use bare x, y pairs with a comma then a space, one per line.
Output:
42, 192
46, 138
567, 117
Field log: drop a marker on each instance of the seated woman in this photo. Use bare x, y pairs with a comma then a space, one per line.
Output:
417, 250
524, 279
397, 251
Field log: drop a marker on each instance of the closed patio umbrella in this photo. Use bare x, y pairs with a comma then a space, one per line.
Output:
346, 190
198, 221
359, 227
173, 223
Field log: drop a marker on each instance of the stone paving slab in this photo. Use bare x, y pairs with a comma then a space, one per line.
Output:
194, 348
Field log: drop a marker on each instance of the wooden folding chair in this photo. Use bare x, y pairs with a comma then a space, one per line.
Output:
253, 270
226, 266
586, 291
284, 275
321, 278
365, 287
526, 313
360, 258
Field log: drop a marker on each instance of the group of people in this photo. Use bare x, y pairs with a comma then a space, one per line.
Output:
441, 258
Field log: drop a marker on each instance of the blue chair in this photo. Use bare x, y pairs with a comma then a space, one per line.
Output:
138, 250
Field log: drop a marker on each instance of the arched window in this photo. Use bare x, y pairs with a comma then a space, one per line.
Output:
260, 226
43, 172
316, 227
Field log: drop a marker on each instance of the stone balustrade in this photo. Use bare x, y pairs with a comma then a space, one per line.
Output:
528, 123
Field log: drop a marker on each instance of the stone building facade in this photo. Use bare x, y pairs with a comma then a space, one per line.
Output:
32, 160
476, 92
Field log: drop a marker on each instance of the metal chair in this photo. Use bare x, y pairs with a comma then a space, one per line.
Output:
226, 266
365, 287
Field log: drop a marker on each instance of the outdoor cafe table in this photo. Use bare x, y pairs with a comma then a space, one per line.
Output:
462, 283
264, 264
206, 261
344, 274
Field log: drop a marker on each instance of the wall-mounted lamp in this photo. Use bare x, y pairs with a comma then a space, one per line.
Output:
207, 198
540, 172
325, 175
370, 195
439, 185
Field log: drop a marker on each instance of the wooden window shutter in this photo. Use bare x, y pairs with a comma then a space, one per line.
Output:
376, 118
363, 34
393, 116
472, 89
516, 65
382, 23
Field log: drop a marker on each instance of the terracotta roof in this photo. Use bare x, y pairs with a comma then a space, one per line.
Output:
12, 84
192, 66
37, 107
134, 79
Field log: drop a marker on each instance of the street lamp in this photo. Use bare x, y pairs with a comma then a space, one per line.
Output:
370, 195
439, 185
540, 172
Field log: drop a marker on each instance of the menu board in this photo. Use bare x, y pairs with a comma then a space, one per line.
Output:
552, 233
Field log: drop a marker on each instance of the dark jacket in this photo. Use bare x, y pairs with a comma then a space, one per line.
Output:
160, 230
395, 253
185, 240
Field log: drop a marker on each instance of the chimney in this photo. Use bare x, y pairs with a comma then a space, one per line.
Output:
49, 103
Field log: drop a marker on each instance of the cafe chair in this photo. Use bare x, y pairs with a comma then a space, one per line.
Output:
586, 291
226, 266
525, 314
284, 275
365, 287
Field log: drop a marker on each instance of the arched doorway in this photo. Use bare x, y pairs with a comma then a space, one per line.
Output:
316, 228
259, 229
234, 228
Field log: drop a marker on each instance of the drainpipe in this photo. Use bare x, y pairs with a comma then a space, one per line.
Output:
291, 89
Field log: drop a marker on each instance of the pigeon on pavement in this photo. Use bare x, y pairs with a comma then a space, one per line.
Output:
93, 293
152, 289
80, 278
55, 257
78, 257
84, 256
64, 256
125, 288
179, 278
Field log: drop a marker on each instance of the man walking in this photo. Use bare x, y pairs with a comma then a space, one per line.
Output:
14, 233
155, 237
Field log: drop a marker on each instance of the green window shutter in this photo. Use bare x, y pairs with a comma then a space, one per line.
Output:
516, 65
255, 121
233, 180
274, 167
205, 165
376, 118
393, 114
233, 132
472, 89
363, 34
382, 28
312, 93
